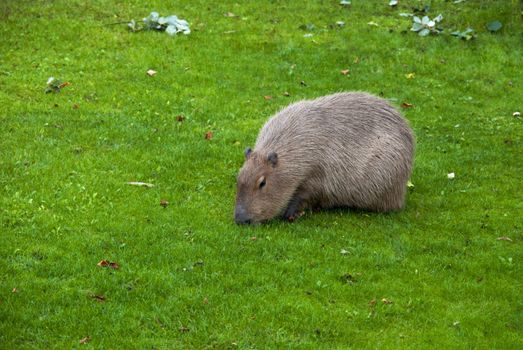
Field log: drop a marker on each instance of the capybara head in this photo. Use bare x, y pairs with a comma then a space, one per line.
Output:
259, 195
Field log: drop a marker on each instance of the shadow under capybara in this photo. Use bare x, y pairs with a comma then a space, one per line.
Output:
348, 149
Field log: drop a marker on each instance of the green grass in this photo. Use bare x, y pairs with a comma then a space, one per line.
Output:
189, 277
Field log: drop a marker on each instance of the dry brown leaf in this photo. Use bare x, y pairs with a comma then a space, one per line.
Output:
85, 340
180, 118
372, 302
61, 86
99, 298
106, 263
208, 135
103, 263
268, 97
14, 290
406, 105
164, 203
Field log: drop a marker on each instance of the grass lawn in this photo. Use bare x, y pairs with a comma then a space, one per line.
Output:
435, 275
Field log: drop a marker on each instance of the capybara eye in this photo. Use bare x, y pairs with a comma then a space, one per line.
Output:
262, 184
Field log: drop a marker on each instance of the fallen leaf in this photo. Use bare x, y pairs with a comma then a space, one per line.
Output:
164, 203
99, 298
229, 14
268, 97
450, 176
406, 105
103, 263
76, 106
494, 26
345, 2
374, 24
286, 94
386, 301
114, 265
393, 3
14, 290
504, 238
208, 135
142, 184
253, 238
151, 72
344, 71
180, 118
410, 75
106, 263
344, 252
516, 114
348, 278
372, 302
85, 340
55, 85
410, 184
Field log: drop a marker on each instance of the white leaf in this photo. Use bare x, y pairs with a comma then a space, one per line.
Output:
416, 27
142, 184
424, 32
171, 29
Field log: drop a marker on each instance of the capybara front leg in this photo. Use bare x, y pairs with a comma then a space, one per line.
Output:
294, 208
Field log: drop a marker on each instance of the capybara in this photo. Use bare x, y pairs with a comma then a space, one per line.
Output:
348, 149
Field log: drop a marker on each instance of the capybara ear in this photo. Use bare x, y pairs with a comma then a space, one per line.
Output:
248, 152
272, 158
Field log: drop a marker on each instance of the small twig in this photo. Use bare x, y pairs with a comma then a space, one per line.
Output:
112, 24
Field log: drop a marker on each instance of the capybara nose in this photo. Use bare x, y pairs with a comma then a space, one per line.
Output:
240, 216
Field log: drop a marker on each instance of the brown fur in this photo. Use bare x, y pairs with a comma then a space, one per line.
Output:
347, 149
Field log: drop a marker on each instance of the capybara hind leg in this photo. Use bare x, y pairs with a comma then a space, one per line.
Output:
392, 200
